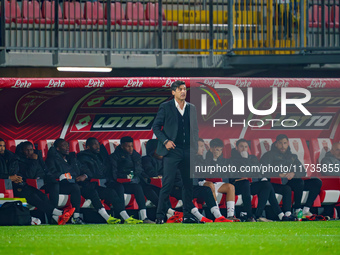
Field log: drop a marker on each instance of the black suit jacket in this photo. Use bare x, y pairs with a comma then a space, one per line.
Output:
167, 118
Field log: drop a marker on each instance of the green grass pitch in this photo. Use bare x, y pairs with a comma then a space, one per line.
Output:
215, 238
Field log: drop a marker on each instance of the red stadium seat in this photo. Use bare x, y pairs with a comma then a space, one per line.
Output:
261, 146
6, 190
93, 14
111, 145
117, 12
335, 16
77, 145
330, 190
36, 183
72, 12
12, 144
30, 11
12, 11
318, 149
152, 15
134, 14
315, 16
48, 13
44, 146
142, 143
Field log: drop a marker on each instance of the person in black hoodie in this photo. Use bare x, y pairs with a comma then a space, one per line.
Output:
98, 166
281, 155
127, 167
259, 186
63, 166
10, 168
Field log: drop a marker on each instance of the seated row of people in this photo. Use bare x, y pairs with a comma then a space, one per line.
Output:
279, 154
126, 172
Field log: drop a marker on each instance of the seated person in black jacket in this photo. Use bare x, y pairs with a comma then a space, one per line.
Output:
63, 166
127, 165
259, 186
9, 168
98, 166
32, 166
281, 155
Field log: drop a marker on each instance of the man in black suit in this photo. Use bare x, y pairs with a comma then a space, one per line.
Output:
176, 141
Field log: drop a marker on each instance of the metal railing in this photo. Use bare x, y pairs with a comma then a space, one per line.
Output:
244, 27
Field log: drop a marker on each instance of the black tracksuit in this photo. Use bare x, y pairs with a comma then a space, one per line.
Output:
274, 157
123, 165
263, 189
9, 166
56, 166
98, 166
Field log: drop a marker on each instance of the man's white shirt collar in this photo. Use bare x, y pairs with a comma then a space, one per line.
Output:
179, 108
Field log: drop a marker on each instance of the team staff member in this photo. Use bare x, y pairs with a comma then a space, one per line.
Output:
176, 128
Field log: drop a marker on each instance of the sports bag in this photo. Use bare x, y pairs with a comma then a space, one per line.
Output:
14, 213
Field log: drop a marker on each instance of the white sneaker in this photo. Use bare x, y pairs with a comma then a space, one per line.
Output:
35, 221
263, 219
307, 214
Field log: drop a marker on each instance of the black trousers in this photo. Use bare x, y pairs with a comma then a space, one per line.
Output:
95, 193
34, 197
52, 188
73, 189
176, 159
131, 188
265, 192
243, 188
298, 186
151, 192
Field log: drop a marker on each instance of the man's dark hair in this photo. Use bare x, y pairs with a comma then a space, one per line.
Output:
200, 140
281, 136
2, 140
90, 141
216, 143
176, 84
126, 139
241, 141
24, 145
57, 142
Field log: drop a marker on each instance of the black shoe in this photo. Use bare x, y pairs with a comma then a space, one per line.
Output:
288, 218
191, 220
159, 221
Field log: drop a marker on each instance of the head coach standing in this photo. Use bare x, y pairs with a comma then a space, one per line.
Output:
177, 139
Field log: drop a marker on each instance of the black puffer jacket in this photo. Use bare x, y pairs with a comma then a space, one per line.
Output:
56, 164
274, 157
8, 164
98, 165
30, 168
124, 163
